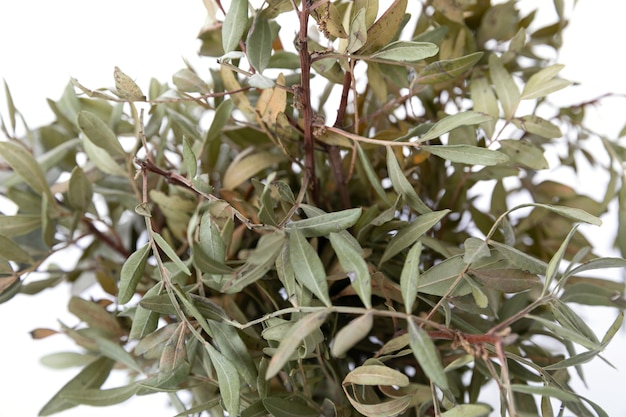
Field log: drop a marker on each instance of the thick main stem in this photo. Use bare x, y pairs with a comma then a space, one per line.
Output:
304, 93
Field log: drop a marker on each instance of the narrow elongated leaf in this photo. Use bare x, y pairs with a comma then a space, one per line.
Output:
188, 81
241, 170
234, 26
189, 160
553, 266
524, 153
305, 326
131, 273
506, 280
259, 262
145, 321
351, 334
376, 375
409, 278
439, 279
227, 379
402, 185
575, 360
221, 117
475, 249
385, 28
404, 51
24, 165
371, 10
308, 266
538, 126
324, 224
468, 410
101, 398
566, 333
231, 346
116, 352
543, 82
449, 123
410, 234
506, 89
281, 407
198, 409
95, 316
548, 391
352, 262
10, 105
101, 158
484, 101
358, 31
153, 343
167, 249
446, 70
520, 259
18, 225
572, 213
11, 251
80, 192
92, 376
426, 354
174, 354
99, 133
63, 360
387, 408
372, 178
610, 333
467, 154
259, 44
599, 263
568, 318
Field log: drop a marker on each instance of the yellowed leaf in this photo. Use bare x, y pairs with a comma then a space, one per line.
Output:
126, 87
240, 99
272, 102
385, 28
242, 169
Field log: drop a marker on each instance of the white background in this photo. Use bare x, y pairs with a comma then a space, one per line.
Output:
43, 43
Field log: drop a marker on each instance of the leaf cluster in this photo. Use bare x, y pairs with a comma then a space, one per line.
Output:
268, 261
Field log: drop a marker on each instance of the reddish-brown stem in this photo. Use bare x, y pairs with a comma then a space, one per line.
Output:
304, 93
114, 244
333, 150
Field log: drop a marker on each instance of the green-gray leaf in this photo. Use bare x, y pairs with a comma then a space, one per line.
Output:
426, 354
324, 224
101, 398
131, 273
467, 154
234, 25
292, 340
92, 376
524, 153
449, 123
80, 192
409, 277
404, 51
24, 165
409, 235
402, 185
308, 266
227, 379
352, 262
351, 334
506, 89
99, 133
259, 44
